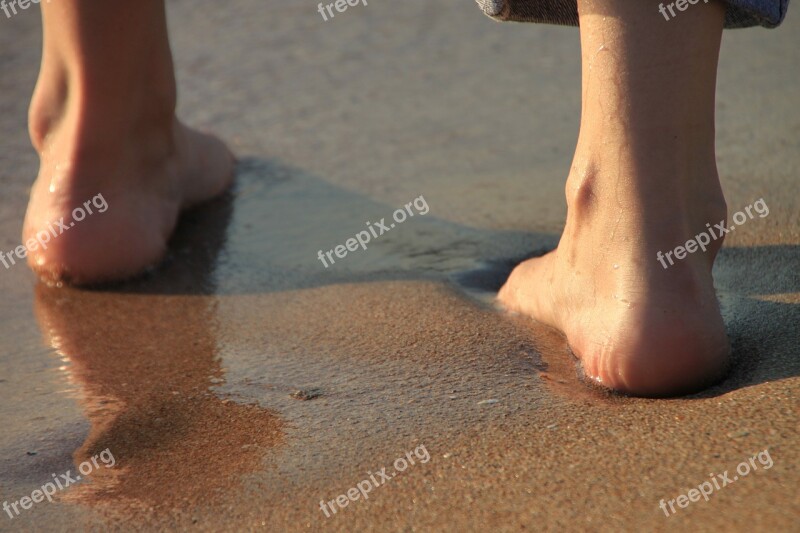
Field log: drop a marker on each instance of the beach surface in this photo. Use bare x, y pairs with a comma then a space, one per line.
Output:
243, 382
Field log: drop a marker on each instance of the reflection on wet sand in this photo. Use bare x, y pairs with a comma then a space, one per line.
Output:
145, 386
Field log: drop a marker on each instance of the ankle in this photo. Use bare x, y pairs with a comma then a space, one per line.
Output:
636, 210
657, 184
77, 104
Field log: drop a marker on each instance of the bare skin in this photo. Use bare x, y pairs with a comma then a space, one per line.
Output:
103, 120
643, 180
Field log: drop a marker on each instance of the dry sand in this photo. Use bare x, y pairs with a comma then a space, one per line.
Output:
195, 377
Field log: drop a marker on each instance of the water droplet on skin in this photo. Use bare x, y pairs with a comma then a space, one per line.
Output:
61, 168
616, 266
623, 300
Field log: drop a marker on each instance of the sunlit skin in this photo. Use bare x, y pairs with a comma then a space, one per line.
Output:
643, 179
102, 119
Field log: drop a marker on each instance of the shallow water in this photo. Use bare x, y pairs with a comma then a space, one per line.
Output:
195, 375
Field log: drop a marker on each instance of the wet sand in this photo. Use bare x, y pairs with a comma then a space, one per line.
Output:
242, 382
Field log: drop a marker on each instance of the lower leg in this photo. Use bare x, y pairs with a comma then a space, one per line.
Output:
643, 180
103, 121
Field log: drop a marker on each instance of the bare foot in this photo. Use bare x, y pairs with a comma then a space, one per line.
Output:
117, 167
138, 194
644, 179
635, 326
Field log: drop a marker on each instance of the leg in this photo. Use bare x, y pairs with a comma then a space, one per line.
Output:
643, 180
103, 121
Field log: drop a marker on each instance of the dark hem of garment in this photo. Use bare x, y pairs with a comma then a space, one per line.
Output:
739, 13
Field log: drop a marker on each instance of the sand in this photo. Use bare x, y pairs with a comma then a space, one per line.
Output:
242, 382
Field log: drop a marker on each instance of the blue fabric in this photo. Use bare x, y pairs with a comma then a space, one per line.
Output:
739, 14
